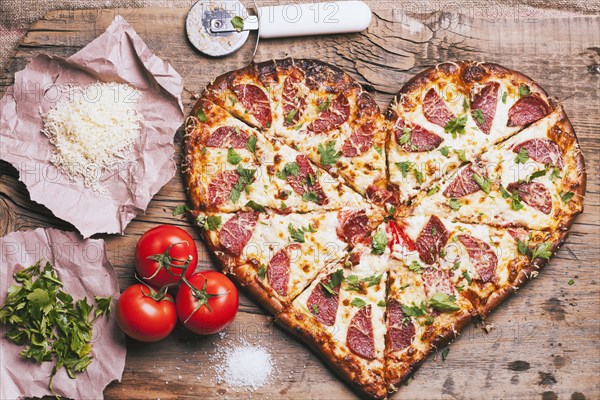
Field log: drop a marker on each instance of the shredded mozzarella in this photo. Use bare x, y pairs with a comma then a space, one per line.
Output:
93, 131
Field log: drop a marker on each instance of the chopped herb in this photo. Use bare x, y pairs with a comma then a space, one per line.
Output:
233, 157
392, 210
201, 116
378, 149
478, 115
210, 223
282, 206
180, 209
405, 138
555, 174
353, 283
484, 183
414, 310
465, 104
415, 266
238, 23
571, 282
418, 175
372, 280
336, 279
251, 144
466, 275
358, 302
522, 156
315, 309
461, 155
49, 324
544, 250
456, 266
444, 303
379, 242
297, 235
291, 168
566, 197
504, 96
255, 206
203, 151
445, 353
433, 190
404, 167
246, 176
289, 117
262, 271
454, 204
328, 154
524, 90
310, 196
456, 126
324, 105
445, 151
536, 174
381, 303
429, 320
523, 247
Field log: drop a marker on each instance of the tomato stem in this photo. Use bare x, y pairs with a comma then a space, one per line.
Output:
200, 295
165, 261
156, 296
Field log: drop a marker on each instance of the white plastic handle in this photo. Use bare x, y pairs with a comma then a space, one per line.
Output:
313, 19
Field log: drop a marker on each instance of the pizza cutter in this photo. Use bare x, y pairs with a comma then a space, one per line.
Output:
220, 27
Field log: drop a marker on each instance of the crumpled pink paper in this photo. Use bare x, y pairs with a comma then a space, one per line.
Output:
84, 269
118, 55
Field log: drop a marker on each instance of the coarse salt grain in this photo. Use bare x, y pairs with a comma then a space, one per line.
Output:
246, 366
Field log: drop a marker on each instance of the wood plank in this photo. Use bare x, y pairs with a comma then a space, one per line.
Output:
546, 338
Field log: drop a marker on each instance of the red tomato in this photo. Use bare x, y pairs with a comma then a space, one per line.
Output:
209, 305
144, 316
160, 254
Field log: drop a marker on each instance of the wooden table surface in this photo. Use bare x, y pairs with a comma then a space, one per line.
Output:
545, 340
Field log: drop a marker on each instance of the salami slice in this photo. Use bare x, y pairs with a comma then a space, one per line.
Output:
220, 187
359, 141
543, 151
323, 305
278, 272
380, 196
463, 184
354, 226
366, 105
360, 338
437, 281
527, 109
485, 101
294, 102
256, 101
401, 330
420, 139
306, 182
534, 194
482, 257
236, 232
435, 110
332, 117
226, 137
431, 240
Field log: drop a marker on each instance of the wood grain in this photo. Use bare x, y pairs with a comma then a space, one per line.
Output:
545, 341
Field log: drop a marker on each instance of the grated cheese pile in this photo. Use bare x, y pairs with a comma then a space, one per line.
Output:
246, 366
93, 131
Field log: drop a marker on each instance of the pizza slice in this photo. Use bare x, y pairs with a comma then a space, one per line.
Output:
230, 167
535, 179
277, 255
442, 273
450, 114
341, 315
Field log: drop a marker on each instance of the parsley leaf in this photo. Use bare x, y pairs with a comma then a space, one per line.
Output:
522, 156
445, 151
415, 266
180, 209
524, 90
251, 144
484, 183
405, 137
523, 247
255, 206
372, 280
454, 204
315, 309
381, 303
233, 157
210, 223
444, 303
246, 176
445, 353
404, 167
358, 302
289, 117
536, 174
544, 250
566, 197
466, 275
324, 105
555, 174
310, 196
336, 279
379, 242
418, 175
414, 310
297, 235
291, 168
478, 115
262, 271
201, 116
378, 149
456, 126
433, 190
504, 96
328, 153
461, 155
238, 23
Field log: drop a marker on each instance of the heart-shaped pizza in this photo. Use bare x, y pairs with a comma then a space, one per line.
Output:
375, 238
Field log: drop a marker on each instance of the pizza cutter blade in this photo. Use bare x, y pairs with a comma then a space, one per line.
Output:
220, 27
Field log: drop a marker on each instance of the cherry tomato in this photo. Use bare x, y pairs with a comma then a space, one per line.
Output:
146, 315
161, 252
207, 302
